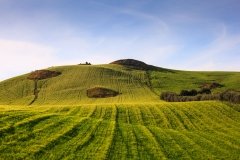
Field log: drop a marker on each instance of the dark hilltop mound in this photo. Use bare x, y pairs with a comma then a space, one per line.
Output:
100, 92
135, 64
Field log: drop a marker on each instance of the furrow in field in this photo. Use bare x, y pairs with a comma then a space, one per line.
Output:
118, 148
14, 117
75, 111
123, 116
206, 122
32, 141
172, 118
221, 141
68, 146
63, 136
108, 113
159, 117
215, 150
202, 120
113, 125
194, 116
99, 112
194, 150
28, 124
135, 116
147, 116
171, 149
97, 147
182, 117
147, 144
224, 115
233, 137
214, 119
228, 112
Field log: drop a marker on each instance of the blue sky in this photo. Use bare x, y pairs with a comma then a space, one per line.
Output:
178, 34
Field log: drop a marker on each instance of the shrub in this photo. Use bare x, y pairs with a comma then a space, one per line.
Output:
100, 92
212, 85
205, 91
229, 95
192, 92
169, 96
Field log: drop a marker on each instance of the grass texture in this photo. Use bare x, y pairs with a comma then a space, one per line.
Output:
63, 123
190, 130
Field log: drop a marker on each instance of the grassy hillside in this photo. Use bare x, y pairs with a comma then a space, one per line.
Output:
62, 122
177, 80
193, 130
70, 87
133, 84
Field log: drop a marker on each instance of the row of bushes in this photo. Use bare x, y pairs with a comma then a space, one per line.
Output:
229, 95
194, 92
86, 63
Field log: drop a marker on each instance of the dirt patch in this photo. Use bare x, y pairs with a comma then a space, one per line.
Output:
100, 92
212, 85
42, 74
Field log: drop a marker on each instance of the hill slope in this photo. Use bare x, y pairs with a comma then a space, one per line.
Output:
141, 84
70, 87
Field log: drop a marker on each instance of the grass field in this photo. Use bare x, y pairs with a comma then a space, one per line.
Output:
63, 123
193, 130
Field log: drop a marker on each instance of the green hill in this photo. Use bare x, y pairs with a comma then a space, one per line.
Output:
63, 122
135, 85
70, 87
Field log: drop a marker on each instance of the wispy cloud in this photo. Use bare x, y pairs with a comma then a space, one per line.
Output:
225, 46
148, 17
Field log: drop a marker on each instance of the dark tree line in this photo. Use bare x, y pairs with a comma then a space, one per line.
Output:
86, 63
229, 95
194, 92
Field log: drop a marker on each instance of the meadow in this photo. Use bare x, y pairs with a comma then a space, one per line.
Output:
190, 130
63, 123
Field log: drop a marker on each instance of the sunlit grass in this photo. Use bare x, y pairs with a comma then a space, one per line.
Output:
193, 130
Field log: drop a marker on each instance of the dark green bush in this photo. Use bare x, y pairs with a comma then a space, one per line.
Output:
192, 92
205, 91
229, 95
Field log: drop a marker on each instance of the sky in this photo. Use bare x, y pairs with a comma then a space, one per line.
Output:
178, 34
